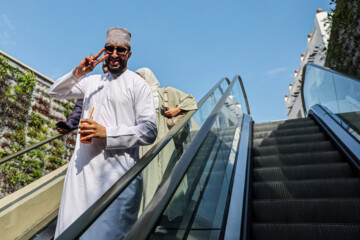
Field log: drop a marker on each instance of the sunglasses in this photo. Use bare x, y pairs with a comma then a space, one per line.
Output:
119, 50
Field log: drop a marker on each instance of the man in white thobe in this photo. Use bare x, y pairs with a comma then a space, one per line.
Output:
123, 119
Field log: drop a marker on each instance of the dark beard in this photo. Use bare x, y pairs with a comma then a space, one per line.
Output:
115, 71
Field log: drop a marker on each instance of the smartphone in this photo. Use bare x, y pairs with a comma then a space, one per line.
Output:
63, 125
163, 109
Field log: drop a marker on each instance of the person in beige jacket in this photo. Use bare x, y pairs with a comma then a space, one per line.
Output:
156, 172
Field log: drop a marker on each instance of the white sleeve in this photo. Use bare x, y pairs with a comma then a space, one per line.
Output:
67, 87
144, 132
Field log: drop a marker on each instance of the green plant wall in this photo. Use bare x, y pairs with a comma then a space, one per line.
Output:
26, 118
343, 52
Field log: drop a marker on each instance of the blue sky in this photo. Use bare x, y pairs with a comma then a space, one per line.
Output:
189, 45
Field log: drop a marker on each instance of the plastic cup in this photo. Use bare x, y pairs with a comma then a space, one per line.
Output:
83, 135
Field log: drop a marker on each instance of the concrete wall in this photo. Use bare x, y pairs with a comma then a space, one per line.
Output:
31, 208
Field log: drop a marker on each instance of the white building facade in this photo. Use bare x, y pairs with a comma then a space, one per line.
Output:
317, 41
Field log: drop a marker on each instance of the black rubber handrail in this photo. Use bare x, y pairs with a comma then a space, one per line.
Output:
345, 142
244, 94
235, 224
76, 229
145, 225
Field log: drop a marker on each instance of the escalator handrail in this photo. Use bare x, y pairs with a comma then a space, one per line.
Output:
236, 221
345, 141
244, 94
80, 225
324, 69
23, 151
147, 221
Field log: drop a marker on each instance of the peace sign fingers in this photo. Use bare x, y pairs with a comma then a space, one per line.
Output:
99, 53
88, 64
95, 62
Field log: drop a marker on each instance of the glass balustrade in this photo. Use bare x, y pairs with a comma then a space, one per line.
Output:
336, 92
196, 210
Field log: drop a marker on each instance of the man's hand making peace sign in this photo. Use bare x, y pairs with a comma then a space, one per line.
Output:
88, 64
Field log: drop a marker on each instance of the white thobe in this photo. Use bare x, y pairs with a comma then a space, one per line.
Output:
124, 106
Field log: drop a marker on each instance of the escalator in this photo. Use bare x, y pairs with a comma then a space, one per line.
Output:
234, 179
302, 186
292, 179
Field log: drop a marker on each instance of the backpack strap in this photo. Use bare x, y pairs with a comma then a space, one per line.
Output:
166, 97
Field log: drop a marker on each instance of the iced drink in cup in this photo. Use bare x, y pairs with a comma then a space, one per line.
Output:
83, 135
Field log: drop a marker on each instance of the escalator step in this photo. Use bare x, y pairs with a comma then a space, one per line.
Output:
297, 159
272, 126
307, 210
260, 142
302, 231
315, 171
293, 148
302, 187
286, 132
322, 188
284, 122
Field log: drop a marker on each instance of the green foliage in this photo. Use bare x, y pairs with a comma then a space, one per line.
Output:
42, 137
37, 154
32, 133
67, 105
16, 95
344, 37
44, 129
3, 153
57, 143
15, 101
67, 113
36, 121
53, 134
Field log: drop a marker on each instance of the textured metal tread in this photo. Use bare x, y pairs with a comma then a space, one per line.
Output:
260, 142
313, 171
340, 210
286, 132
285, 121
285, 125
293, 148
319, 188
297, 159
305, 231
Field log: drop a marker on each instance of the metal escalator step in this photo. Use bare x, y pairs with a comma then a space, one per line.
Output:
307, 210
285, 125
320, 188
314, 171
287, 132
297, 159
285, 121
302, 186
305, 231
293, 148
260, 142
